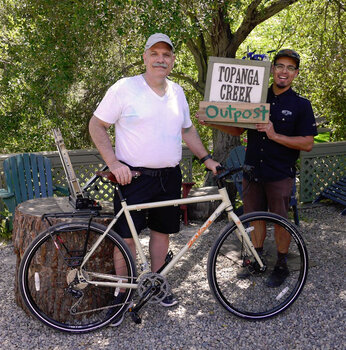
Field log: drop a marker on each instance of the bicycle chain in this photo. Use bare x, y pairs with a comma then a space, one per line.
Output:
91, 310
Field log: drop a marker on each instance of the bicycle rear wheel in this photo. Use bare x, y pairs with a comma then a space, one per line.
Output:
249, 296
50, 288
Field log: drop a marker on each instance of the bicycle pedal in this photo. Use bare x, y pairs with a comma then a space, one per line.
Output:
135, 317
168, 259
246, 262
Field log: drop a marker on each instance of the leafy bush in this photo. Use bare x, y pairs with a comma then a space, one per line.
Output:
5, 232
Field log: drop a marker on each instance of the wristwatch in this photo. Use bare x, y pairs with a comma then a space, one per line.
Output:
202, 160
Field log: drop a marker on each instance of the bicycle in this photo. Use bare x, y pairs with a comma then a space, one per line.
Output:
73, 264
257, 57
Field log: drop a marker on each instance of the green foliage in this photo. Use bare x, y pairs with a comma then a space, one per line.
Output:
324, 63
324, 137
55, 51
5, 232
306, 27
57, 58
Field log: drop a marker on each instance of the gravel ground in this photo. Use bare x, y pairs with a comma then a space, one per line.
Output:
314, 321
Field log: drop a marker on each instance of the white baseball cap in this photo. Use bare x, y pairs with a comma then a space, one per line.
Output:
156, 38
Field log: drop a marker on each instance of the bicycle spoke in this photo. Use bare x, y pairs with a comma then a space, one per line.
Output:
244, 291
49, 278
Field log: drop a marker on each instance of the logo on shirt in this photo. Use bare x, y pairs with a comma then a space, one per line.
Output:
286, 112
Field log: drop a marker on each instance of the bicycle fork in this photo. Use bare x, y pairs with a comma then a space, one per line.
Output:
241, 232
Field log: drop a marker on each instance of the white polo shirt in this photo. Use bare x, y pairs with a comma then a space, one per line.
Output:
147, 127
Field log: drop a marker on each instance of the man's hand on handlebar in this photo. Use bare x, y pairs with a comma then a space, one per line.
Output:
212, 165
223, 172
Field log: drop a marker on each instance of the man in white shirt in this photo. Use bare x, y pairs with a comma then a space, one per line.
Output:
151, 118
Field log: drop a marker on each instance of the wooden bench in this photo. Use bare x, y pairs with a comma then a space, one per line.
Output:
28, 176
336, 192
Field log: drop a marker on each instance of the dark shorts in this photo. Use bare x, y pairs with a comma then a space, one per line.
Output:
263, 196
146, 188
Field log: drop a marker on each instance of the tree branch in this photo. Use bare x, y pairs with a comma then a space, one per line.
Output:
221, 35
340, 8
192, 82
3, 63
125, 69
198, 49
340, 5
253, 17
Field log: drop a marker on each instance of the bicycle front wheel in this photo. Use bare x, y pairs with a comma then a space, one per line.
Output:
49, 283
235, 278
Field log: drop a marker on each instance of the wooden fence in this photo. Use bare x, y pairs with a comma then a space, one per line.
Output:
322, 166
85, 163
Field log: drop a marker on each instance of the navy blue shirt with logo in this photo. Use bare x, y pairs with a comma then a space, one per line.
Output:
291, 115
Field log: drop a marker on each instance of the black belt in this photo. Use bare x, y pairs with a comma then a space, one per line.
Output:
153, 171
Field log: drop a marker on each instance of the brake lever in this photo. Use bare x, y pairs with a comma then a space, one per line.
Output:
249, 170
220, 168
222, 171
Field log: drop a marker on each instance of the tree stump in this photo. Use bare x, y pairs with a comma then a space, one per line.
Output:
28, 224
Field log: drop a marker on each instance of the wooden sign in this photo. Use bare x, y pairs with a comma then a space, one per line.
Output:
236, 91
230, 79
244, 115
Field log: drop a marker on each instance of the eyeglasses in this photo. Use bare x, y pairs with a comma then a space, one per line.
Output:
281, 67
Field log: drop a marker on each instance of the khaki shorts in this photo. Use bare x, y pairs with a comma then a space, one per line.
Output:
267, 196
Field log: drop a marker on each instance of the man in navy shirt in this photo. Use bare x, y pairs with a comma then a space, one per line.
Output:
272, 150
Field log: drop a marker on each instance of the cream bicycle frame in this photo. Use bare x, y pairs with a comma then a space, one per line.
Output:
116, 282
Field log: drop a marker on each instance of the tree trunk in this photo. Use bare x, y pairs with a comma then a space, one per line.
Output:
28, 225
220, 41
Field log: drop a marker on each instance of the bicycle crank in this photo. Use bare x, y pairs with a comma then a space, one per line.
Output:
152, 288
155, 283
